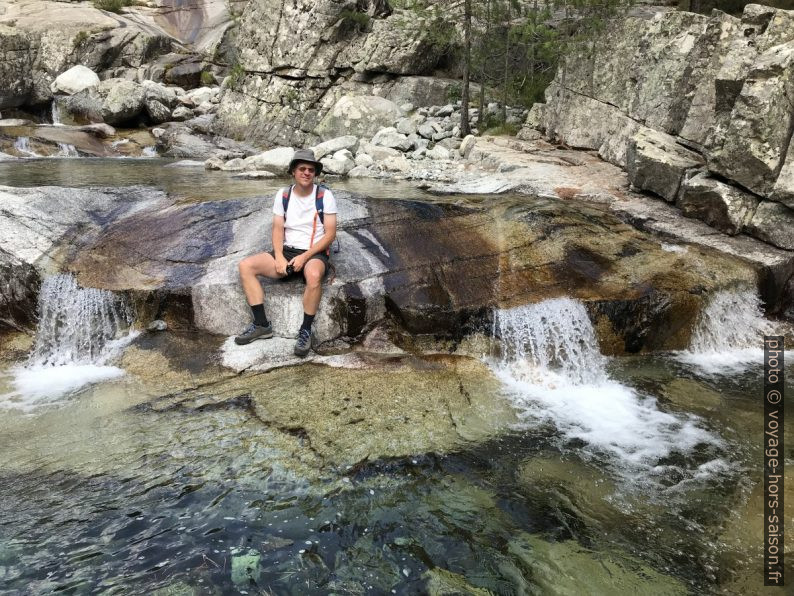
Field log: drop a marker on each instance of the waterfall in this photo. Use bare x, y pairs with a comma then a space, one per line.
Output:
732, 319
77, 325
81, 330
553, 335
67, 150
22, 145
553, 370
149, 151
729, 333
56, 114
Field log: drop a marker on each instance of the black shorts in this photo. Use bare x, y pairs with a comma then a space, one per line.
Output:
290, 253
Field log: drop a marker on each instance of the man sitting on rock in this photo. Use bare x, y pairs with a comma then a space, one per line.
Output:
304, 226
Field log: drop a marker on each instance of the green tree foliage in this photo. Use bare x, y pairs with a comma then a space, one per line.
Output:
510, 48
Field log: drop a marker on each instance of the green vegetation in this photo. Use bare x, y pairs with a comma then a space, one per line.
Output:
80, 38
207, 78
454, 93
112, 5
503, 130
512, 48
235, 74
354, 20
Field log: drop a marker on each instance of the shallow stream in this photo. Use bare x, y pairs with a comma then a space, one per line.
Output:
566, 473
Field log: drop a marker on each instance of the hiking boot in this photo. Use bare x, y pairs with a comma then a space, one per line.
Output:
252, 332
304, 343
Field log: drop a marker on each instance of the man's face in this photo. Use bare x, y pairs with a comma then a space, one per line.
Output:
304, 173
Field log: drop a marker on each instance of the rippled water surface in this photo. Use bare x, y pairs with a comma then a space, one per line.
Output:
107, 491
188, 183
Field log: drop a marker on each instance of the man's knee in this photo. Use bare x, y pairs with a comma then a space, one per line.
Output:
245, 267
314, 275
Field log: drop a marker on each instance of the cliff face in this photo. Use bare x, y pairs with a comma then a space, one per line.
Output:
163, 40
697, 108
298, 58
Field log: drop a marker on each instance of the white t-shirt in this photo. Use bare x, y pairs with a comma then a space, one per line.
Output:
300, 217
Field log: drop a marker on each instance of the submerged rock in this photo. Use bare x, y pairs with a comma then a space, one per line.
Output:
423, 405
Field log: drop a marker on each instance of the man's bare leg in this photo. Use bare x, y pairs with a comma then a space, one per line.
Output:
249, 268
313, 271
259, 264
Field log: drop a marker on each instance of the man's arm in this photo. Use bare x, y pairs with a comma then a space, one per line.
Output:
278, 244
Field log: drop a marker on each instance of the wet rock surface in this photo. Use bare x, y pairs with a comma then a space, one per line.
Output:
431, 268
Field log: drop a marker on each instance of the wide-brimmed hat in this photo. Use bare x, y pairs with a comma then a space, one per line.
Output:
307, 156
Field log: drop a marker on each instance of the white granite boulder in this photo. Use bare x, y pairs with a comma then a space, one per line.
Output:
74, 80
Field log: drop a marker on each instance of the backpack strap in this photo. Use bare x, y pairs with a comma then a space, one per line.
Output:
318, 203
286, 193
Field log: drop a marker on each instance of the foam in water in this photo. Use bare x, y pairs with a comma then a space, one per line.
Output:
67, 150
554, 371
80, 331
729, 333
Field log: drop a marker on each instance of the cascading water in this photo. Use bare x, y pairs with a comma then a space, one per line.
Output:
22, 145
554, 371
80, 331
554, 334
67, 150
729, 333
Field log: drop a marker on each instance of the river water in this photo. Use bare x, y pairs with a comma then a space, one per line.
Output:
633, 475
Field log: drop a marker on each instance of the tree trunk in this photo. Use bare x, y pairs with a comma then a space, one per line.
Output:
464, 107
481, 113
506, 70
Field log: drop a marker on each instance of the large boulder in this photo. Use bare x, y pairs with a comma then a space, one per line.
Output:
389, 137
773, 223
755, 142
720, 205
74, 80
349, 142
16, 60
655, 162
360, 116
408, 262
122, 100
340, 163
273, 160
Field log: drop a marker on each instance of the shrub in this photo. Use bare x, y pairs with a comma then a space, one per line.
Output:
503, 129
352, 19
80, 38
207, 78
235, 74
112, 5
454, 93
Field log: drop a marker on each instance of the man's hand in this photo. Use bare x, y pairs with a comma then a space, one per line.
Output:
299, 261
281, 265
